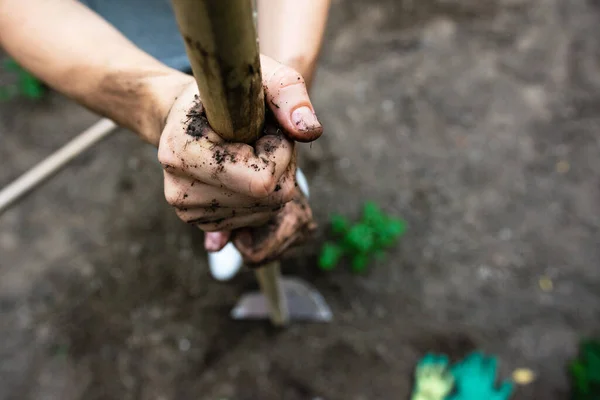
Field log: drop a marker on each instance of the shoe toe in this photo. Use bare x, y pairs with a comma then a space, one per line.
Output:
225, 264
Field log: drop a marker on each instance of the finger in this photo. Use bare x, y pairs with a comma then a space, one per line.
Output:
490, 366
215, 241
457, 369
474, 359
505, 390
251, 220
205, 215
183, 192
234, 166
427, 359
447, 375
443, 360
287, 97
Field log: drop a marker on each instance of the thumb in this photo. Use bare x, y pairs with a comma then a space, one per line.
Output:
287, 97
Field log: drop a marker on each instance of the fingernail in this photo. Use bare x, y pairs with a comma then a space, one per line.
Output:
305, 119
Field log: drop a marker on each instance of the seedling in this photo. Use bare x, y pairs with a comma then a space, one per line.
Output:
585, 372
373, 234
26, 86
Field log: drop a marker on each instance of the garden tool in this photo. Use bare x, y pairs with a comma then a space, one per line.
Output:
221, 42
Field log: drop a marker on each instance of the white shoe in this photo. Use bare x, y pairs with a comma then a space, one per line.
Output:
225, 263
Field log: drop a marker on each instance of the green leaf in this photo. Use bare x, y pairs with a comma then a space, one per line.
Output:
330, 256
360, 239
11, 65
578, 376
372, 214
32, 88
360, 262
396, 226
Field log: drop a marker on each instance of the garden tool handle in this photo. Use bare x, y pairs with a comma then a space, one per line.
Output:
221, 43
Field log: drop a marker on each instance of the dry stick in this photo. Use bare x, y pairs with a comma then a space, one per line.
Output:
221, 44
53, 163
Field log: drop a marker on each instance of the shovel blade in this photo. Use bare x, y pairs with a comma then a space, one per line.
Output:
304, 303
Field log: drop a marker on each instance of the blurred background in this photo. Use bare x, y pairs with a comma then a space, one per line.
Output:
476, 121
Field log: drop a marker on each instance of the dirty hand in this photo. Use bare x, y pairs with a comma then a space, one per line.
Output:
220, 186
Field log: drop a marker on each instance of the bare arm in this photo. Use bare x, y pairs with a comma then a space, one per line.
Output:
81, 55
291, 32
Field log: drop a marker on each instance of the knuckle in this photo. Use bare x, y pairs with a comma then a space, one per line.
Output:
170, 195
173, 194
283, 77
183, 214
167, 158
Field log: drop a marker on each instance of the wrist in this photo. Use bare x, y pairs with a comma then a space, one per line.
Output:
162, 91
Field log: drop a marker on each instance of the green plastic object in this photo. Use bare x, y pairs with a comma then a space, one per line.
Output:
433, 379
27, 85
585, 372
475, 379
363, 241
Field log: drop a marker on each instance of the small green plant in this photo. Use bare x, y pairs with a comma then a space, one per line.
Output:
374, 233
433, 380
475, 379
27, 85
585, 372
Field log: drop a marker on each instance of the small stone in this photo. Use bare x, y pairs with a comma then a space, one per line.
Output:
344, 163
523, 376
135, 249
387, 105
380, 312
546, 284
184, 345
562, 167
505, 234
484, 272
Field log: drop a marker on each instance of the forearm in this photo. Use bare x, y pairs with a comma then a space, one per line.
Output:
79, 54
291, 32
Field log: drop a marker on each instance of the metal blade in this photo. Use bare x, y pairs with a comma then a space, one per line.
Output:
304, 302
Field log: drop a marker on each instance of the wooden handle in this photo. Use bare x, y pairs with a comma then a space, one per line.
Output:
269, 279
221, 43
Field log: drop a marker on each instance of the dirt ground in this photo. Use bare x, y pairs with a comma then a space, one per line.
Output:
478, 122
